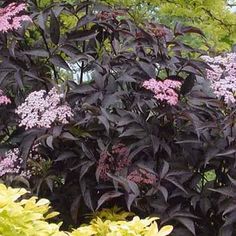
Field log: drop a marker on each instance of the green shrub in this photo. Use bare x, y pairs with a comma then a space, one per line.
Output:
28, 217
25, 217
112, 214
135, 227
113, 222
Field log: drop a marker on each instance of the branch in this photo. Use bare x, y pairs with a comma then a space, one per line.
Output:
228, 26
83, 49
231, 4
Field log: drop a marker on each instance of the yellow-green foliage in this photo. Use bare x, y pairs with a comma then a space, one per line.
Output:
25, 217
135, 227
113, 214
28, 217
113, 222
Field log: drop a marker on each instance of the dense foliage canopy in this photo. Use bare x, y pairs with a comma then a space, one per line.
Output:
150, 129
215, 17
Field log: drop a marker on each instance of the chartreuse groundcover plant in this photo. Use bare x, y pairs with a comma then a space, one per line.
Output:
144, 133
137, 226
28, 217
25, 217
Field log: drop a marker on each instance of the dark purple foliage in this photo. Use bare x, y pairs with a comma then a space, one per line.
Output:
115, 116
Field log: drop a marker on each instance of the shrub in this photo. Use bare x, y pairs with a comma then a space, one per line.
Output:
136, 226
25, 217
115, 222
28, 217
144, 132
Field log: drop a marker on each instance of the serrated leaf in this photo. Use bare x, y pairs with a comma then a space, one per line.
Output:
108, 196
49, 141
37, 52
57, 60
188, 84
88, 199
188, 223
82, 35
54, 28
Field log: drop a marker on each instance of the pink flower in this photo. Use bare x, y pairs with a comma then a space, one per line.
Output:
164, 91
104, 165
42, 110
121, 153
11, 163
113, 163
223, 76
142, 177
11, 17
36, 163
4, 100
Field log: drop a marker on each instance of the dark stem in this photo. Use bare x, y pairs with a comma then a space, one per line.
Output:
83, 49
49, 52
46, 45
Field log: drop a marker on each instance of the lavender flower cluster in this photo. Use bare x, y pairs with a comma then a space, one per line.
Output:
164, 90
11, 17
11, 163
4, 100
42, 110
223, 76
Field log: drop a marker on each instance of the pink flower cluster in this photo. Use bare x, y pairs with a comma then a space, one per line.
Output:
104, 164
121, 153
114, 162
36, 164
42, 110
11, 164
164, 90
142, 177
223, 76
11, 17
4, 99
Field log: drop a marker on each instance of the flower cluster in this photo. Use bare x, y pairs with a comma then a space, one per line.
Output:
114, 162
4, 100
105, 15
155, 30
36, 163
142, 177
11, 163
223, 76
121, 153
104, 164
42, 110
164, 90
11, 17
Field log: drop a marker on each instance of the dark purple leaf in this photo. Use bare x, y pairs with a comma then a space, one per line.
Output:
108, 196
57, 60
54, 28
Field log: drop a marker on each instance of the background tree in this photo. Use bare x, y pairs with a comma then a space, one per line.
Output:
215, 17
146, 132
